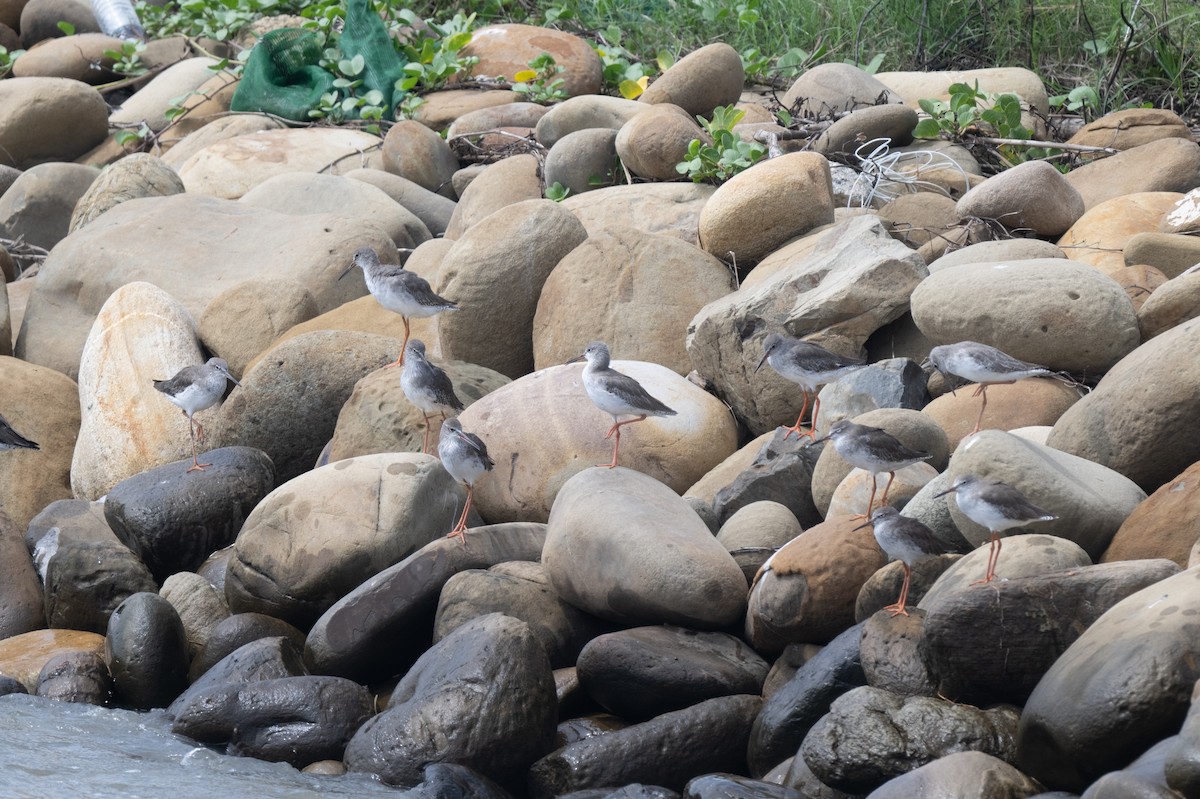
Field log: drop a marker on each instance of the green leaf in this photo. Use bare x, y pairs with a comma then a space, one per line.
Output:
926, 129
66, 27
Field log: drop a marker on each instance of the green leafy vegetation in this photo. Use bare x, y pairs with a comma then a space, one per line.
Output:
973, 112
727, 155
541, 82
127, 61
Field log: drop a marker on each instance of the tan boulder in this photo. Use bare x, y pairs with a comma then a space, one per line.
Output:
1131, 127
1032, 196
1139, 282
141, 334
49, 119
1162, 165
637, 292
218, 130
806, 591
1165, 525
42, 405
1002, 250
622, 546
247, 318
442, 107
79, 57
853, 494
542, 429
505, 50
654, 141
318, 536
231, 167
916, 86
756, 211
1170, 304
495, 273
700, 81
1140, 418
1169, 253
134, 176
672, 209
833, 87
500, 185
586, 112
413, 151
149, 104
23, 656
917, 219
1099, 236
1026, 403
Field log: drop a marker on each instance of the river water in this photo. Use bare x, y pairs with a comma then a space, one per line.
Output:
59, 750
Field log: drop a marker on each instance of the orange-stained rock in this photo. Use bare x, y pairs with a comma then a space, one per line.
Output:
1165, 525
22, 656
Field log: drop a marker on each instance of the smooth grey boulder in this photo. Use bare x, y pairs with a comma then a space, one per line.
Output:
145, 648
269, 658
235, 631
959, 775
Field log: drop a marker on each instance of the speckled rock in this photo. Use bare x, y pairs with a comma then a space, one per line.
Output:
1032, 196
700, 81
136, 175
653, 142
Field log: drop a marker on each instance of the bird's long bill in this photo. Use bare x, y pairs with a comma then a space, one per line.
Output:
867, 523
943, 493
463, 435
820, 440
764, 360
347, 270
576, 359
236, 382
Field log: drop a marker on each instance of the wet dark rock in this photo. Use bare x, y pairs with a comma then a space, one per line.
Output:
173, 524
668, 750
236, 631
264, 659
76, 677
802, 701
146, 651
297, 720
781, 472
482, 697
731, 786
644, 672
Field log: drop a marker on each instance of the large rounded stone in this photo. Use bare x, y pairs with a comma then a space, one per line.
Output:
613, 286
432, 209
281, 409
1026, 403
134, 176
1089, 500
640, 673
38, 206
146, 651
505, 50
148, 105
200, 605
1131, 127
495, 273
653, 142
669, 208
141, 334
496, 187
1162, 165
246, 319
173, 520
20, 588
833, 87
231, 167
1123, 685
1053, 312
700, 81
914, 86
1139, 420
22, 657
542, 429
625, 547
585, 112
988, 252
49, 119
1166, 525
42, 405
960, 774
413, 151
756, 211
1032, 196
235, 631
584, 160
482, 697
1100, 235
808, 589
847, 135
318, 536
81, 56
1170, 304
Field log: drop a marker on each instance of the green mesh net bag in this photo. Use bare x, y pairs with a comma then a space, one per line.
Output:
283, 75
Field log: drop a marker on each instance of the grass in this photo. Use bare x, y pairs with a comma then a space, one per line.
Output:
1132, 52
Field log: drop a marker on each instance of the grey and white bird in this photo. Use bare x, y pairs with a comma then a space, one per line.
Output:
985, 365
616, 394
904, 539
809, 365
398, 290
427, 387
11, 439
998, 507
194, 389
873, 450
465, 457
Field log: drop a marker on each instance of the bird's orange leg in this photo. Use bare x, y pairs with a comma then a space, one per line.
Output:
870, 502
400, 361
993, 558
979, 422
796, 427
898, 608
460, 529
615, 430
196, 466
883, 501
425, 440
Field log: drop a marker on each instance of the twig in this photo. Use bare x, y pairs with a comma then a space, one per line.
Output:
1079, 148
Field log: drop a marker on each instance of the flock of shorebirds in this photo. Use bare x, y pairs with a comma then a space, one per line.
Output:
993, 504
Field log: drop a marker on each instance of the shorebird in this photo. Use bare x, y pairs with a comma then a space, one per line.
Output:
904, 539
985, 365
873, 450
808, 364
616, 394
11, 439
194, 389
398, 290
427, 387
998, 507
465, 457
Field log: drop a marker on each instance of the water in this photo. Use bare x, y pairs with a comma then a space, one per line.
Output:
59, 750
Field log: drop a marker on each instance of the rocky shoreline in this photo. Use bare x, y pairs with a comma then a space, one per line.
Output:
603, 632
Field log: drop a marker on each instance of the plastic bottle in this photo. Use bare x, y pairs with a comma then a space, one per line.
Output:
117, 18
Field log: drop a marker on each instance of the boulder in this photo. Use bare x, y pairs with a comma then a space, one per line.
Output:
700, 81
496, 187
504, 50
1162, 165
42, 405
49, 119
669, 208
